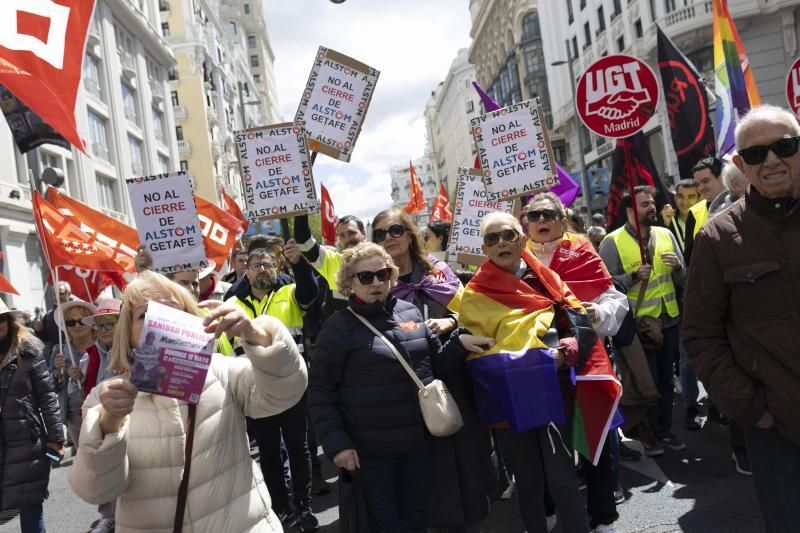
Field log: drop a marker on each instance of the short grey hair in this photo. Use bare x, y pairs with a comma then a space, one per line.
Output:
731, 172
766, 113
501, 218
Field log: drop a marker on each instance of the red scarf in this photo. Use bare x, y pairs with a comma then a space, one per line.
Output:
579, 266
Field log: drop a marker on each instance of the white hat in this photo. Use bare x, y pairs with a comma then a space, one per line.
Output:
207, 271
4, 309
105, 307
66, 306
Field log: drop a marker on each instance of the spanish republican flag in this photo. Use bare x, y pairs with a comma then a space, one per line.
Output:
517, 380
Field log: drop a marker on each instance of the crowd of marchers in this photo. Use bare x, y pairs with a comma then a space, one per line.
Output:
310, 341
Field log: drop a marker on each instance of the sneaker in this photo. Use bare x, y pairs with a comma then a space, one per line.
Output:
652, 448
287, 518
672, 442
308, 522
619, 495
742, 461
628, 454
692, 420
319, 486
605, 528
552, 520
104, 525
509, 492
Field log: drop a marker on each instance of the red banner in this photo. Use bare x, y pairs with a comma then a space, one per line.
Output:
441, 209
329, 218
416, 201
221, 230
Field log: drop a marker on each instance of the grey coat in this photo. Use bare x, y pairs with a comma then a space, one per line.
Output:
29, 419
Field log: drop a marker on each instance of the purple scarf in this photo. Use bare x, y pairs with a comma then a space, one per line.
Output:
441, 285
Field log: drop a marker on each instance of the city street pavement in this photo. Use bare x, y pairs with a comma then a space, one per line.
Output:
696, 490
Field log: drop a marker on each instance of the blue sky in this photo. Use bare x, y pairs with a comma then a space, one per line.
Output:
412, 43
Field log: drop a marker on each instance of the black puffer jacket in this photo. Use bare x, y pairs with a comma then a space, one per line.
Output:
30, 419
360, 396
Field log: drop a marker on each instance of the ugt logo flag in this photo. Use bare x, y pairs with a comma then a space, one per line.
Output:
41, 54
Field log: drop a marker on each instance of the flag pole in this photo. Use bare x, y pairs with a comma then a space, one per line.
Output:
639, 238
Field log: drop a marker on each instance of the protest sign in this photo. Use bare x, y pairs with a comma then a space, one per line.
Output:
616, 96
166, 217
514, 150
173, 354
472, 204
276, 172
335, 102
793, 87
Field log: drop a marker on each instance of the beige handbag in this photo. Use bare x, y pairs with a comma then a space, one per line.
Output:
439, 409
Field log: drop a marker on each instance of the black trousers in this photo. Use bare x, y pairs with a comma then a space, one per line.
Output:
600, 487
776, 468
291, 425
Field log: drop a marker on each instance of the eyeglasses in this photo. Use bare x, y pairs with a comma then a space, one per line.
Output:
73, 323
755, 155
262, 266
395, 230
366, 277
508, 235
548, 214
108, 326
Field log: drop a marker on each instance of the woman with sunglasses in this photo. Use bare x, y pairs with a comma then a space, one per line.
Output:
458, 498
575, 260
66, 362
363, 403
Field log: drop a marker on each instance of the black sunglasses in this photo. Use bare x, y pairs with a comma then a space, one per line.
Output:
508, 235
548, 214
72, 323
755, 155
366, 277
395, 230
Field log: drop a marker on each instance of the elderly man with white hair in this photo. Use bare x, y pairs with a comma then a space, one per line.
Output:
735, 181
742, 313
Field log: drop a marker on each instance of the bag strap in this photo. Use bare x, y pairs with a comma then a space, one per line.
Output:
184, 486
395, 352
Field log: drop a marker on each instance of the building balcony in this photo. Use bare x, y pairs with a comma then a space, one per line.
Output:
184, 148
180, 112
94, 32
128, 64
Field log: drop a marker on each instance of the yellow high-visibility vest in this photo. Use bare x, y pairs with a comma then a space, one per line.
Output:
659, 297
700, 212
278, 304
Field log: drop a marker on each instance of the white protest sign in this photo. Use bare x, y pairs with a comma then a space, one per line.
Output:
472, 204
276, 172
335, 102
514, 149
166, 218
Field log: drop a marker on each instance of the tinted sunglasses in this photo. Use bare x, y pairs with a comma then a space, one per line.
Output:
72, 323
106, 325
755, 155
366, 277
549, 215
395, 230
508, 235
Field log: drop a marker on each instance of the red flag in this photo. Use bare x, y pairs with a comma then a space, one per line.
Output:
41, 58
66, 245
329, 218
416, 201
88, 284
232, 207
441, 207
221, 230
5, 286
121, 238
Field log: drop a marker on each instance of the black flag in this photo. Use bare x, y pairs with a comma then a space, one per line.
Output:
632, 162
687, 104
28, 129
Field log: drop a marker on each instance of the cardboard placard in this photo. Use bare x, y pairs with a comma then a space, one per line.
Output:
335, 103
276, 172
472, 204
173, 354
515, 152
166, 218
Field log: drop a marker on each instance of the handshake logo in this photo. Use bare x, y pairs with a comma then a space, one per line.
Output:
616, 92
36, 26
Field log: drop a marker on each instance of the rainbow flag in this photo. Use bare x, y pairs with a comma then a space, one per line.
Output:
516, 380
734, 84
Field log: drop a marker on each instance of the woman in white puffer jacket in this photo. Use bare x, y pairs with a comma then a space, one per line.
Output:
133, 443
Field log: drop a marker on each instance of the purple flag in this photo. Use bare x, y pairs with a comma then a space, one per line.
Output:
567, 189
442, 284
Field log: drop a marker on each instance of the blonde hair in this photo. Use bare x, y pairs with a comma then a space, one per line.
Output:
138, 291
417, 248
351, 256
499, 217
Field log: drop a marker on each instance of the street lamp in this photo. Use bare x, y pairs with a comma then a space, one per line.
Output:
584, 178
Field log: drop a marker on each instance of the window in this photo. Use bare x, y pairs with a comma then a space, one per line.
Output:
158, 124
253, 61
637, 27
621, 43
257, 78
97, 134
703, 59
601, 20
185, 166
583, 4
91, 75
232, 27
107, 193
163, 164
165, 29
129, 103
669, 6
530, 27
179, 133
570, 14
135, 148
172, 74
470, 106
575, 47
173, 95
617, 9
247, 9
251, 41
587, 35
